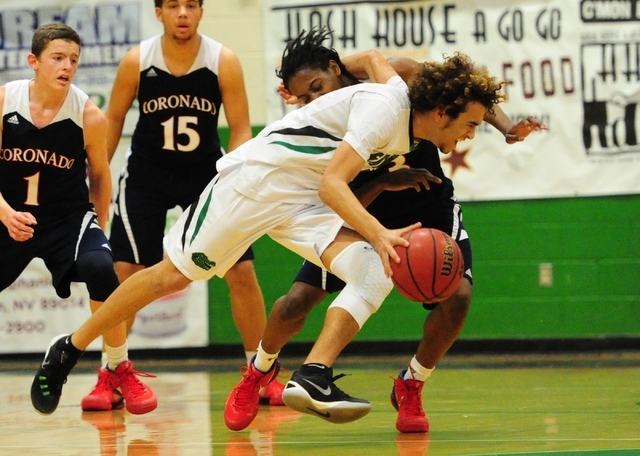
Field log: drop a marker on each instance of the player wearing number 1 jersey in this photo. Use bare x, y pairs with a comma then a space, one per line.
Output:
181, 80
53, 136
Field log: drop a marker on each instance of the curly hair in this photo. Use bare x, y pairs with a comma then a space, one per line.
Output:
452, 84
307, 52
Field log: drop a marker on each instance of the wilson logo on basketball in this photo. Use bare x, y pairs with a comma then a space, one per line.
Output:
430, 269
447, 258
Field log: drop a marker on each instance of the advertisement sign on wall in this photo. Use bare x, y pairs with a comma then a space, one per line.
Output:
575, 65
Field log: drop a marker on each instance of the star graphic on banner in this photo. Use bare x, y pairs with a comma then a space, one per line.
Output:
457, 160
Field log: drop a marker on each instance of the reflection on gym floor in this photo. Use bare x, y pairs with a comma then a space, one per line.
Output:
575, 407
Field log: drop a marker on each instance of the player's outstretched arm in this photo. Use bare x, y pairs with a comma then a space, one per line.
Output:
518, 132
513, 132
402, 179
95, 126
234, 99
363, 66
123, 92
369, 65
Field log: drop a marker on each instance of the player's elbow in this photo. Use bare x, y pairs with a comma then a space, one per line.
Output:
325, 190
374, 56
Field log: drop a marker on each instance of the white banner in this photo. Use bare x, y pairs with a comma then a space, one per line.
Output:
30, 311
574, 64
31, 314
108, 29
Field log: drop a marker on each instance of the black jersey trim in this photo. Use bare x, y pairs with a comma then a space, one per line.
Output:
305, 131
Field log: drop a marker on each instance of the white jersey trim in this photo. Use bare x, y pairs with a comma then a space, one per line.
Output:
208, 55
16, 99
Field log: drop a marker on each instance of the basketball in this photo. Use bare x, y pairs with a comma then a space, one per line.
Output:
430, 269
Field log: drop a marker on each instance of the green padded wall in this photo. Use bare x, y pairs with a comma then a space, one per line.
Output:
592, 245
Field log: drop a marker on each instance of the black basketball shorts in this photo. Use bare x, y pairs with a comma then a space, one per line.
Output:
323, 279
59, 244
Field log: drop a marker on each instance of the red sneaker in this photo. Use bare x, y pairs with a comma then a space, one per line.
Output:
104, 395
406, 398
139, 398
243, 402
272, 393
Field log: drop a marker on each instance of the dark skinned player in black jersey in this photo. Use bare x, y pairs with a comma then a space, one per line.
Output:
310, 70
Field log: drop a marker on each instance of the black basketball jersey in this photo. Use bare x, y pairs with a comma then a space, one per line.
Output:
398, 209
43, 170
178, 116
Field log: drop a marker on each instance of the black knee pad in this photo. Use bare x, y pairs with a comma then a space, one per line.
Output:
95, 269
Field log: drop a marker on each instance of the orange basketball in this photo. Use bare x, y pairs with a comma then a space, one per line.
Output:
430, 269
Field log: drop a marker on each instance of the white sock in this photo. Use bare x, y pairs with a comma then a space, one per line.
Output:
116, 355
264, 360
104, 360
249, 355
417, 371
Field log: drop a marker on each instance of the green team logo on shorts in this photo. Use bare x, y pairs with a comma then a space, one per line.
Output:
201, 260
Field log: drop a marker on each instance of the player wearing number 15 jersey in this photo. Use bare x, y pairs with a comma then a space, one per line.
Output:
174, 148
181, 80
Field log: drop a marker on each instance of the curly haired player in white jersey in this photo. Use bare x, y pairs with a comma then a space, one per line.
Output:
291, 182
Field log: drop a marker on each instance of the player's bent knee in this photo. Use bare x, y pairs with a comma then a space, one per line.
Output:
463, 294
293, 306
367, 285
95, 269
458, 305
171, 276
287, 310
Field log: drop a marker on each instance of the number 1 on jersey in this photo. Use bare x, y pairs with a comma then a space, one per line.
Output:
32, 189
170, 142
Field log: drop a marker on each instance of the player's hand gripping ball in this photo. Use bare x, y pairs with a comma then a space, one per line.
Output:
430, 269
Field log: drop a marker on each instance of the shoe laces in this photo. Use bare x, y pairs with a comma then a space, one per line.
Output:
104, 382
411, 401
133, 384
338, 377
284, 373
248, 386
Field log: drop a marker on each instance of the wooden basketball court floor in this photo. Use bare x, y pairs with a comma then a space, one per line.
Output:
500, 405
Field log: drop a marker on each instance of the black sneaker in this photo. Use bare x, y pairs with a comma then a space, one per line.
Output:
318, 396
59, 359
